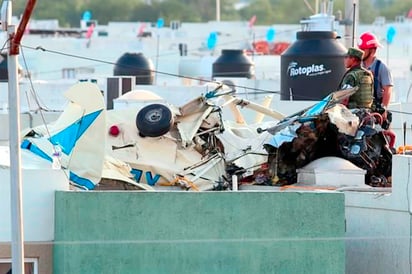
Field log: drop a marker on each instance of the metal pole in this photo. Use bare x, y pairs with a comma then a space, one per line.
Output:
218, 10
16, 193
16, 199
387, 54
351, 19
157, 55
354, 25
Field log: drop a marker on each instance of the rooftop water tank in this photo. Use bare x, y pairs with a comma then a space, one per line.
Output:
135, 64
323, 172
312, 66
233, 63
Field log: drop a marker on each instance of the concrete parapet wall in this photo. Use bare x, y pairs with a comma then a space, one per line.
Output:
379, 224
207, 232
37, 200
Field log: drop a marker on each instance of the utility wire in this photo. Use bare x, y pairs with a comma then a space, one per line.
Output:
255, 91
161, 55
146, 70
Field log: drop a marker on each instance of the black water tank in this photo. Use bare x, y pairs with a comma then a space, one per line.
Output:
233, 63
312, 66
135, 64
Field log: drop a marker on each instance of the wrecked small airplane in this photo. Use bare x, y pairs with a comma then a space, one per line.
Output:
157, 145
328, 128
190, 146
193, 148
76, 139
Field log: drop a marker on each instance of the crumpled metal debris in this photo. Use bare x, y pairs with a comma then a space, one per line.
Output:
328, 128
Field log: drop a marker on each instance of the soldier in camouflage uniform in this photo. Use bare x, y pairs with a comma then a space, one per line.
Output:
357, 76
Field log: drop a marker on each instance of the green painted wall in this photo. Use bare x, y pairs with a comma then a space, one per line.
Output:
203, 232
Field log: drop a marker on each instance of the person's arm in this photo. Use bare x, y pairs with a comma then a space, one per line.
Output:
386, 96
348, 82
386, 81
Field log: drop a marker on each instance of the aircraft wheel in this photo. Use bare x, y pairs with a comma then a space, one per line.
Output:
154, 120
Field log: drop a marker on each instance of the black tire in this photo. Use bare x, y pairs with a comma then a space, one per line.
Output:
154, 120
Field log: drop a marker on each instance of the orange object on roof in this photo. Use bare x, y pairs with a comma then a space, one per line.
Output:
279, 47
404, 149
266, 48
261, 47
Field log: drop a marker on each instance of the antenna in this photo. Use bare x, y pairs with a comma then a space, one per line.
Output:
353, 24
330, 7
323, 7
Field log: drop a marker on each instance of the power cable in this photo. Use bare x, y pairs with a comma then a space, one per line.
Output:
255, 91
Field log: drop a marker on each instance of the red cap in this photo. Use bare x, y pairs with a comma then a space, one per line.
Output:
367, 40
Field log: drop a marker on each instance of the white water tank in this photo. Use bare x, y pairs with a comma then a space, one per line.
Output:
137, 99
331, 171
